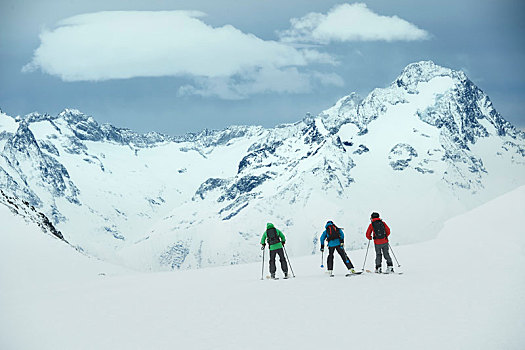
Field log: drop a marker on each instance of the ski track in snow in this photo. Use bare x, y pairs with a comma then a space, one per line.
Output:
461, 290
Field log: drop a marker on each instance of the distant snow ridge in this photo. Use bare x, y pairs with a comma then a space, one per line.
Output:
427, 147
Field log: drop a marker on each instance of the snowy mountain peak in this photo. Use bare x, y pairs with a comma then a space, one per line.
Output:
72, 113
447, 98
353, 109
424, 71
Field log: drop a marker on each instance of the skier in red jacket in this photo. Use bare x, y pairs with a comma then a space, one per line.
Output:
381, 232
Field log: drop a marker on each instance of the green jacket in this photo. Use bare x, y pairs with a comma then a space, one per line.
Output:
281, 236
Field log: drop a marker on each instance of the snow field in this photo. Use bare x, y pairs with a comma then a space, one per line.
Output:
462, 290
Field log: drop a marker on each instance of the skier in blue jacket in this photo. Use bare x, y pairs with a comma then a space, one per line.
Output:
335, 237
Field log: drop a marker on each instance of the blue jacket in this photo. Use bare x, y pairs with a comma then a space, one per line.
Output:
335, 242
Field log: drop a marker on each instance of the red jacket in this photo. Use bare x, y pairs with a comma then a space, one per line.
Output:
378, 241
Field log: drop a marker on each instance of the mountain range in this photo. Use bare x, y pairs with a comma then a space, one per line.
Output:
426, 148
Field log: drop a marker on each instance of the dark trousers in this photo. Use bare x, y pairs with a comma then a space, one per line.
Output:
382, 249
341, 252
284, 265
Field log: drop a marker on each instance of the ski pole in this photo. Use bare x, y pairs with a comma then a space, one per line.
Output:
398, 265
364, 262
262, 269
287, 258
322, 259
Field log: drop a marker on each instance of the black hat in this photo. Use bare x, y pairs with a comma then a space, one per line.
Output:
374, 215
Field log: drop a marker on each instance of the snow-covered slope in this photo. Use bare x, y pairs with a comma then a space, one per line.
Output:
426, 148
28, 213
35, 259
462, 290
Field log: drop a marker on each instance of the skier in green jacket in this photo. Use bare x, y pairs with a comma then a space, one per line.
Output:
276, 242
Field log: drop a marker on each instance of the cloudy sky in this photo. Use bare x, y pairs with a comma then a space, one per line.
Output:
182, 66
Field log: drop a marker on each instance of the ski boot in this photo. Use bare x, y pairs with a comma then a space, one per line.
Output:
331, 273
378, 269
389, 269
272, 276
286, 275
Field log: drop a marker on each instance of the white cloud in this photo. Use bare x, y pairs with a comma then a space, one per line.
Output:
222, 61
350, 22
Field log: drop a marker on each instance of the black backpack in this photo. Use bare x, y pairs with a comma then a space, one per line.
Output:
379, 229
272, 236
332, 232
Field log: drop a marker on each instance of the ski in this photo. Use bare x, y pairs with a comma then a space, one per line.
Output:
352, 274
385, 273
